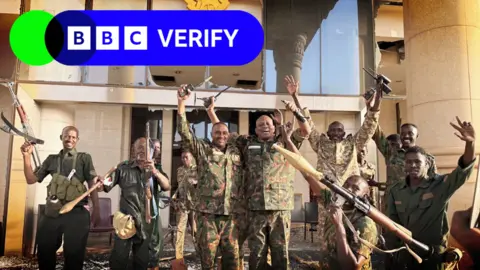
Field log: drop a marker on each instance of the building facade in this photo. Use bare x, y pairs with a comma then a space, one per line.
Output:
324, 44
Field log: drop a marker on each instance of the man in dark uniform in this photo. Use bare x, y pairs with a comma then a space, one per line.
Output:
70, 170
156, 241
131, 177
419, 201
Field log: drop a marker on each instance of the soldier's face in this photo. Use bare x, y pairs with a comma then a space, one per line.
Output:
336, 132
264, 128
157, 148
69, 139
187, 159
139, 149
408, 136
220, 136
357, 185
415, 165
395, 144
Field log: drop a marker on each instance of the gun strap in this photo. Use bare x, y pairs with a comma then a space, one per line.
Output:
356, 236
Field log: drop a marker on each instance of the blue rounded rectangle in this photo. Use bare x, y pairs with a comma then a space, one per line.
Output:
159, 38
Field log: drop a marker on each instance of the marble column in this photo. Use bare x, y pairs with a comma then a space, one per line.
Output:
288, 57
442, 43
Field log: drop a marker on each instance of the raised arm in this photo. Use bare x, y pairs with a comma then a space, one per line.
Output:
369, 126
211, 112
381, 142
189, 141
292, 87
40, 172
453, 181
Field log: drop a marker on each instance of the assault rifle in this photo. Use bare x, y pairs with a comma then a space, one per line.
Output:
401, 232
27, 129
207, 100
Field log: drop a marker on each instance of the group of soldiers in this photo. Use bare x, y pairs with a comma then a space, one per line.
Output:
236, 188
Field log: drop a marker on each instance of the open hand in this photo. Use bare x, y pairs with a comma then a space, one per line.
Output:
182, 89
291, 84
466, 132
277, 117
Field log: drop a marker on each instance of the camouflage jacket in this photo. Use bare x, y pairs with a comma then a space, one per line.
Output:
367, 170
268, 176
364, 225
395, 159
220, 176
185, 194
339, 159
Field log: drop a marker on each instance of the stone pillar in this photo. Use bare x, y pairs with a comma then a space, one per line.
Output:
167, 151
288, 57
443, 60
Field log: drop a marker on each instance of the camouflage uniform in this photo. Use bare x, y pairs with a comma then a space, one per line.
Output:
186, 176
367, 171
269, 189
220, 191
423, 211
341, 156
364, 225
395, 161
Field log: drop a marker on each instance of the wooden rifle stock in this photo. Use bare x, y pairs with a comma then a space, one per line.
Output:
69, 206
401, 232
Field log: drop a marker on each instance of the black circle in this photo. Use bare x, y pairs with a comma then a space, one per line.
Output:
54, 38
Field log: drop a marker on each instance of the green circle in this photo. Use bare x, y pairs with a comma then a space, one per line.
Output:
27, 38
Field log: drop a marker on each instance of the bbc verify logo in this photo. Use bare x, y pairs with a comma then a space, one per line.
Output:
174, 38
136, 38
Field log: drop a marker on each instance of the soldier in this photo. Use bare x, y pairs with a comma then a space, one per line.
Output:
70, 170
337, 154
184, 200
130, 177
468, 238
394, 141
419, 201
269, 189
156, 241
367, 171
394, 154
220, 190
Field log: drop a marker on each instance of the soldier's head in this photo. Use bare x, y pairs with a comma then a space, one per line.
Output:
187, 158
220, 135
69, 137
416, 165
394, 141
361, 154
264, 128
157, 148
358, 186
139, 149
408, 135
336, 131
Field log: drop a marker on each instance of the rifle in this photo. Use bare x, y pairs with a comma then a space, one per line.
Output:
207, 100
27, 133
401, 232
148, 191
380, 79
191, 87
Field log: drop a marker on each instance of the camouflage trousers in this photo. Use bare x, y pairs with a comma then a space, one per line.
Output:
269, 229
183, 217
214, 231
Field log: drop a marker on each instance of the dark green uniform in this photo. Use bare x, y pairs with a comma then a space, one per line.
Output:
395, 161
423, 211
156, 242
74, 226
131, 179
